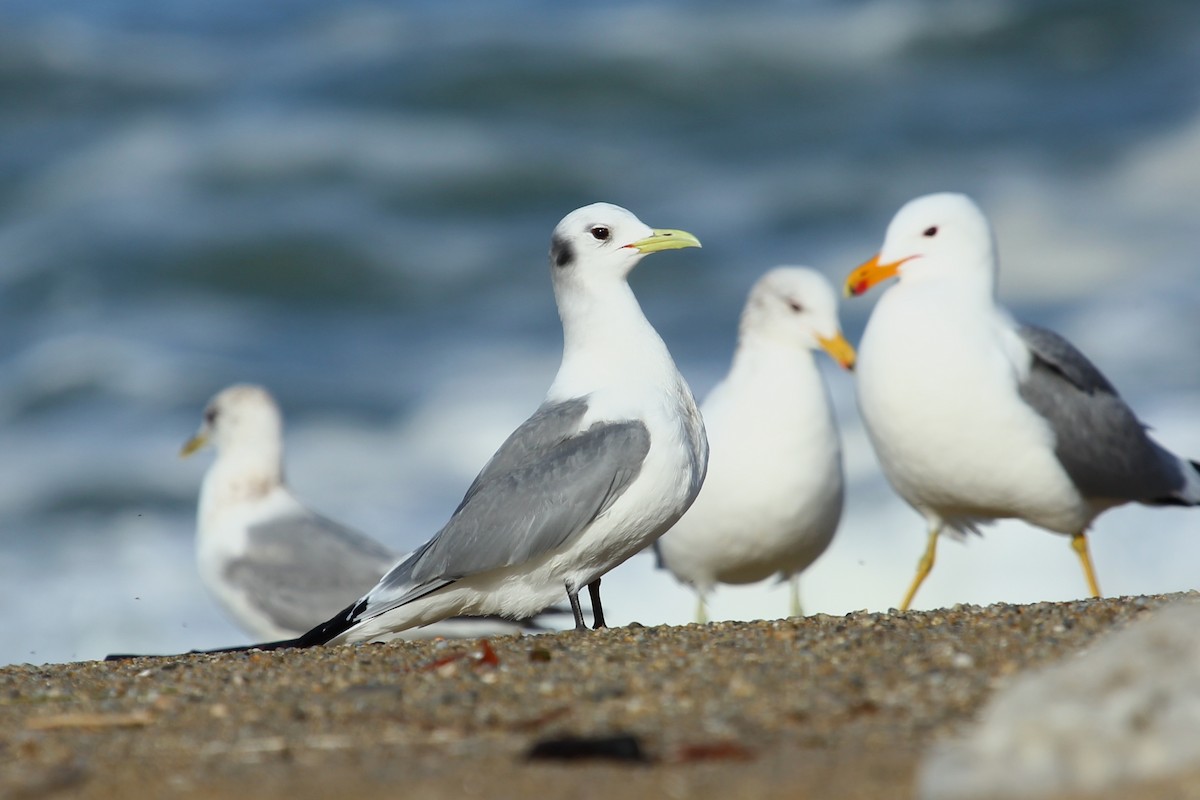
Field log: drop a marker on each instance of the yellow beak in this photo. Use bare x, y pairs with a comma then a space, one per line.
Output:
839, 350
665, 239
193, 444
867, 275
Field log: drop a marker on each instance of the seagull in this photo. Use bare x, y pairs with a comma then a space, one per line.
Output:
274, 566
773, 495
611, 459
975, 417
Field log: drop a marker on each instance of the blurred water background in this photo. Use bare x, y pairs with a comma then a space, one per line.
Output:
350, 203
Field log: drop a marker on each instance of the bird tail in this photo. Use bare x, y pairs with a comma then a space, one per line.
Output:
1193, 485
343, 621
280, 645
1189, 493
324, 633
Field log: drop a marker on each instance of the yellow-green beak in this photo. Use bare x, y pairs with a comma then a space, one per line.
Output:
665, 239
193, 444
839, 350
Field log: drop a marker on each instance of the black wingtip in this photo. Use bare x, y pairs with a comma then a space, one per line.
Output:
346, 619
283, 644
245, 648
1181, 499
341, 622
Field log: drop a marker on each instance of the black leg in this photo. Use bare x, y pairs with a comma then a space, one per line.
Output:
597, 609
576, 609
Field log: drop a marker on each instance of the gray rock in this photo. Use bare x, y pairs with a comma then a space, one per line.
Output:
1125, 711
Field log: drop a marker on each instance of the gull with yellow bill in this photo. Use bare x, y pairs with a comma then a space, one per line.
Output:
611, 459
976, 417
773, 496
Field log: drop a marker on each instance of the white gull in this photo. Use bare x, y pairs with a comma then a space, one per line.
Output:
611, 459
976, 417
773, 496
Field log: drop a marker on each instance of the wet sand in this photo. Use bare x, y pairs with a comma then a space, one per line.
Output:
821, 707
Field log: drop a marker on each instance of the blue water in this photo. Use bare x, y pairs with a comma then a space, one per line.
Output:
350, 203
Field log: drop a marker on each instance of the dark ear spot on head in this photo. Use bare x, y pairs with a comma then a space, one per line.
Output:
561, 252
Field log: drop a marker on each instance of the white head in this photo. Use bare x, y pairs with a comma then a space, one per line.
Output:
602, 243
796, 306
243, 420
936, 236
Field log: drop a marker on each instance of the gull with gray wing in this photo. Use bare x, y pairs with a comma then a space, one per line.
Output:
613, 457
274, 566
975, 417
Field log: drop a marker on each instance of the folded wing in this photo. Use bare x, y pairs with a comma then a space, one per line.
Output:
544, 485
1101, 444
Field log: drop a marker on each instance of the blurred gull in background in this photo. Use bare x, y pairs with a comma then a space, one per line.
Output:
773, 495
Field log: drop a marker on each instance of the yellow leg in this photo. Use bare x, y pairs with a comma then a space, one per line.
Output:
701, 611
923, 567
1079, 545
797, 610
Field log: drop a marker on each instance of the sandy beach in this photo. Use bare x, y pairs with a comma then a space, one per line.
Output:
828, 707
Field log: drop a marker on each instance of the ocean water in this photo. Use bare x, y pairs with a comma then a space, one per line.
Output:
350, 203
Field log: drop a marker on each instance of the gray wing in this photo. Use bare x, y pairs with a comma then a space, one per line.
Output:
301, 569
1099, 441
550, 424
544, 485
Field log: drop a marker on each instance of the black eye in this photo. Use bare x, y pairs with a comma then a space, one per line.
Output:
210, 416
931, 231
601, 233
796, 307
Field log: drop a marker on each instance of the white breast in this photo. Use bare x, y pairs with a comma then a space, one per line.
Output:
669, 479
773, 495
937, 388
224, 517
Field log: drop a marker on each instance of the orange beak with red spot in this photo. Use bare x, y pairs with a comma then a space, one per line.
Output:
867, 275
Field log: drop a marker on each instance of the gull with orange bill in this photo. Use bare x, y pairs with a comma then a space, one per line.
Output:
976, 417
773, 495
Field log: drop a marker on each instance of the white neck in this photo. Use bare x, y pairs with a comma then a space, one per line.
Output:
965, 279
240, 474
781, 380
762, 353
607, 341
